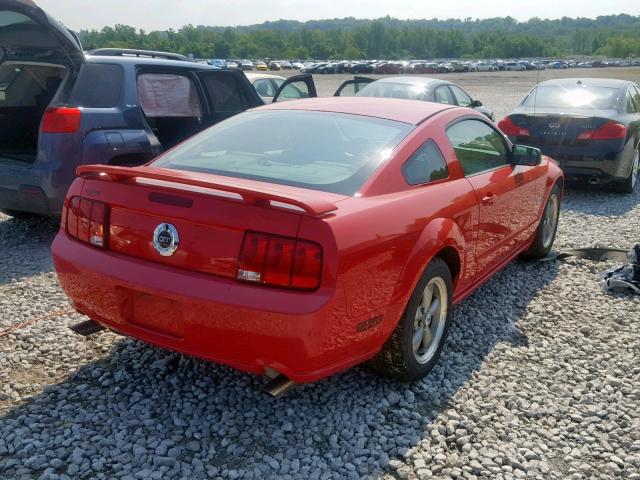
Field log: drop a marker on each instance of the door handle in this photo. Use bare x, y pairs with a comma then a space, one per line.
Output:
488, 199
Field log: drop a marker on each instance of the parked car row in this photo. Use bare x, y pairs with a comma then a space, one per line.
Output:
383, 67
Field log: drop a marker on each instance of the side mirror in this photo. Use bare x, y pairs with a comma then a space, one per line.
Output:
476, 103
524, 155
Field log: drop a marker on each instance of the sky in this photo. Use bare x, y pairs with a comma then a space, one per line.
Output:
163, 14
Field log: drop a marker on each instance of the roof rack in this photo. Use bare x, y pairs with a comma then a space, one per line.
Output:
131, 52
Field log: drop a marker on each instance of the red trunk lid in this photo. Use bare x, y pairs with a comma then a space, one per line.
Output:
210, 221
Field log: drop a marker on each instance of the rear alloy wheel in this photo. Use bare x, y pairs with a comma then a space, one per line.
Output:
628, 185
547, 228
415, 345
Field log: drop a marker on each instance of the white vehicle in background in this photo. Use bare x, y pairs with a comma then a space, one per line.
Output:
514, 67
232, 65
247, 65
297, 65
484, 67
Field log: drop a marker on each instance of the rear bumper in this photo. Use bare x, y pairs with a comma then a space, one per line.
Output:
34, 188
299, 334
583, 162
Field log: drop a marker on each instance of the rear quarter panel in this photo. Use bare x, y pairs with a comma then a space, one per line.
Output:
384, 244
388, 234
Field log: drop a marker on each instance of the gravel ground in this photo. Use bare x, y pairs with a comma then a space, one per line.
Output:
540, 378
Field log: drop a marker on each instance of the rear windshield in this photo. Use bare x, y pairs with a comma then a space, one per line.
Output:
29, 84
393, 90
8, 17
579, 97
330, 152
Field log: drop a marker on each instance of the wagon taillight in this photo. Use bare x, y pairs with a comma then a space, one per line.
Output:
280, 261
61, 120
87, 221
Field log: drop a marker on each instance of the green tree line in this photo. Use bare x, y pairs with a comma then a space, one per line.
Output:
614, 36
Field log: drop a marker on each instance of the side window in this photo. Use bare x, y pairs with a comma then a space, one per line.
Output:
478, 146
98, 86
443, 95
635, 92
168, 95
426, 165
264, 87
631, 105
225, 92
293, 91
462, 98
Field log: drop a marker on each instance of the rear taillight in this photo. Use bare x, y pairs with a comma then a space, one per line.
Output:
280, 261
508, 127
61, 120
87, 221
609, 131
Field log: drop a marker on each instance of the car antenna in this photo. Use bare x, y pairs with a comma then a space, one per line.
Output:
535, 93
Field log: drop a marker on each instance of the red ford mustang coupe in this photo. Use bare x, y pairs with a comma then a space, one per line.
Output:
308, 236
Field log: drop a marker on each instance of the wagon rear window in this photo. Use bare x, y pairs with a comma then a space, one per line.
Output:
317, 150
98, 86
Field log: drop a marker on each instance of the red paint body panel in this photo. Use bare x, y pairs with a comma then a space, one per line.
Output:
375, 244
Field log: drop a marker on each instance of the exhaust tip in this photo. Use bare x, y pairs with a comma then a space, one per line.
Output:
594, 180
278, 386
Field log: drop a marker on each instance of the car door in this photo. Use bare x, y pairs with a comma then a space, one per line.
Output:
352, 87
296, 88
506, 193
461, 97
228, 92
635, 124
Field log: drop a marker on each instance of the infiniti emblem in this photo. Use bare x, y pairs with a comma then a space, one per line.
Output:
554, 125
165, 239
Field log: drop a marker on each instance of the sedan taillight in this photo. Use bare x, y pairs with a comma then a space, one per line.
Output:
609, 131
280, 261
87, 221
510, 128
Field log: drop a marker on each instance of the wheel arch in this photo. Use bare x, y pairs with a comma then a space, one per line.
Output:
441, 238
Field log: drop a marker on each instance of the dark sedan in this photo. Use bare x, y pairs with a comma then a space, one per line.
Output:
590, 126
423, 88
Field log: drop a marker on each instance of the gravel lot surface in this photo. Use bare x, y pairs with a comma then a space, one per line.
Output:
540, 378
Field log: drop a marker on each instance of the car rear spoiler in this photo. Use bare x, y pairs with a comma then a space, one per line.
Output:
250, 191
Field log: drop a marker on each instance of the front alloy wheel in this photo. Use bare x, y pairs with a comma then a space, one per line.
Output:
546, 232
430, 320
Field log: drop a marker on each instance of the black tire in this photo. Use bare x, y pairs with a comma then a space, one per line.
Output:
397, 359
628, 185
543, 238
17, 213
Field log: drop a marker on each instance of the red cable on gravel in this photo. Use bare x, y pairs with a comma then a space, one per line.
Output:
17, 326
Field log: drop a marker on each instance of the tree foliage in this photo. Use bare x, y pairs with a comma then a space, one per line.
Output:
388, 38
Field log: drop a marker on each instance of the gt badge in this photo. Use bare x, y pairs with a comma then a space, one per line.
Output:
165, 239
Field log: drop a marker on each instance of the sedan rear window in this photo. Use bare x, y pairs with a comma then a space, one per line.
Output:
324, 151
576, 97
393, 90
